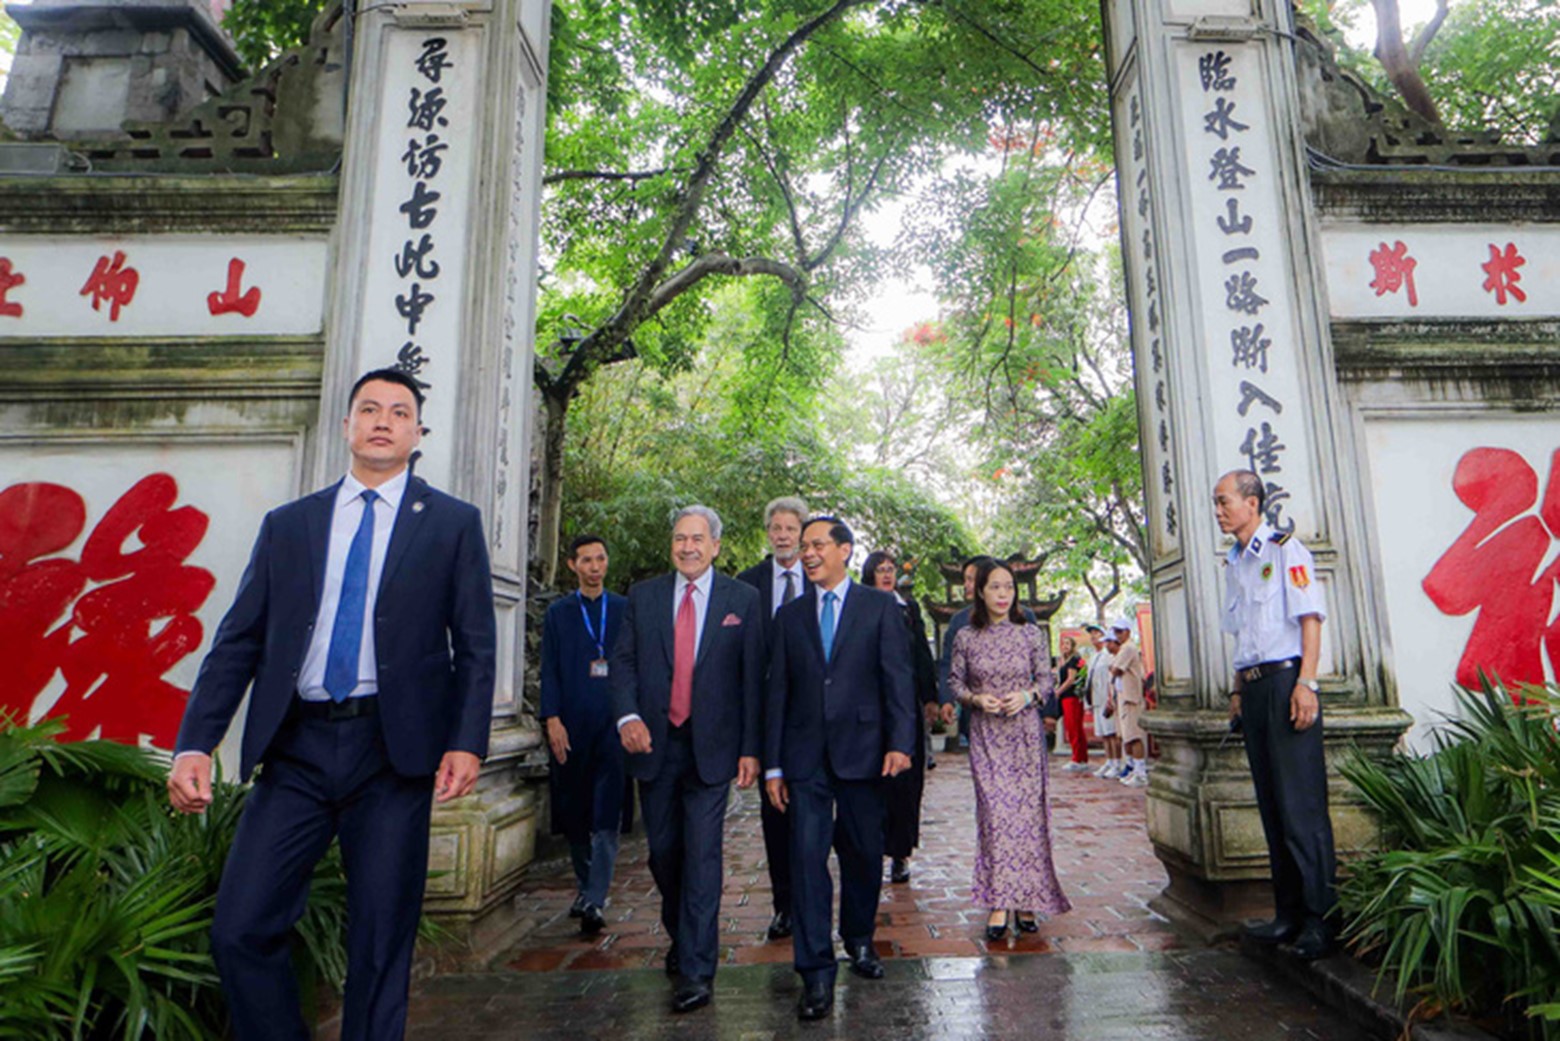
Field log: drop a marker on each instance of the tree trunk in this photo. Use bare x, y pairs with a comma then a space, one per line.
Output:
550, 508
1400, 66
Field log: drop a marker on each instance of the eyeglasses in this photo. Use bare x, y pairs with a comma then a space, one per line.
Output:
885, 569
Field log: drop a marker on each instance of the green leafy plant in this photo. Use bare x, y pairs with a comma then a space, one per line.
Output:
1462, 905
107, 895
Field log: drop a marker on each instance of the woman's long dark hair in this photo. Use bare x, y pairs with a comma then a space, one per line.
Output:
979, 617
869, 567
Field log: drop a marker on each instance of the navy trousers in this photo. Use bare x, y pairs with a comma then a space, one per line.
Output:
777, 851
847, 816
684, 823
1290, 774
323, 779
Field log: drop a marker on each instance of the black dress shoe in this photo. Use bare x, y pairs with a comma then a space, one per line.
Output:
1279, 930
817, 1000
899, 871
673, 966
592, 921
779, 926
577, 908
997, 932
1026, 923
692, 994
1315, 941
864, 961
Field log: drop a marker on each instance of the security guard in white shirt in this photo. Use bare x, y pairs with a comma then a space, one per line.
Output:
1274, 608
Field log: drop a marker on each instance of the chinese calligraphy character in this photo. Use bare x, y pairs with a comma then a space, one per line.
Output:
423, 158
1273, 507
410, 359
1251, 394
1170, 522
414, 257
1213, 69
419, 209
1394, 270
1166, 478
1222, 119
1250, 347
1234, 224
1261, 449
112, 281
1503, 274
411, 306
434, 58
111, 643
1164, 436
427, 109
1240, 293
1226, 168
1500, 567
1233, 256
230, 300
9, 280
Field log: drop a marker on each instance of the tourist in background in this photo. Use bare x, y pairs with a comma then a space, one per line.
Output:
1069, 691
1100, 685
1127, 667
902, 824
1000, 673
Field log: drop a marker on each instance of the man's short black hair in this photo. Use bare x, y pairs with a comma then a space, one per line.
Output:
839, 531
1249, 485
579, 542
388, 376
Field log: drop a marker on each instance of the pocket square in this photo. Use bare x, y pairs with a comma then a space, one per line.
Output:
731, 619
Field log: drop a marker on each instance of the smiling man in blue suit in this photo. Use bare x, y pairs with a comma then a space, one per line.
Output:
687, 671
363, 630
840, 717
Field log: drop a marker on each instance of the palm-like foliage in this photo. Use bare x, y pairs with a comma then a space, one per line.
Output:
107, 895
1463, 904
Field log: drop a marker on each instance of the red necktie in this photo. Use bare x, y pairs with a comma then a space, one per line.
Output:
682, 659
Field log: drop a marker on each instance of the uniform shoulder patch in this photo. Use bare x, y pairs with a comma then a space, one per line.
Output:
1281, 538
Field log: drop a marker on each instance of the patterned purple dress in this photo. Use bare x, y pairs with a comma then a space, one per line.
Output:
1008, 761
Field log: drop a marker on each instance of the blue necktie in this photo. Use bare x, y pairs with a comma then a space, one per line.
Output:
346, 634
826, 625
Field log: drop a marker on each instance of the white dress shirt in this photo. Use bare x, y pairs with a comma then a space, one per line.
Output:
701, 609
344, 520
1268, 587
777, 589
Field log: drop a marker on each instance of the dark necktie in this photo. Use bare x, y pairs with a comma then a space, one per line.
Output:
346, 634
789, 592
683, 634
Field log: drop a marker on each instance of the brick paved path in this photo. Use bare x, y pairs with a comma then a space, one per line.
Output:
1107, 869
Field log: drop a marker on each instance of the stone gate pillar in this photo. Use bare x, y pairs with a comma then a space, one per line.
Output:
434, 262
1234, 369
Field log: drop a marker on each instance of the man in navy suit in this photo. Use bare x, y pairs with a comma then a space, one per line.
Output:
779, 579
687, 673
363, 630
840, 717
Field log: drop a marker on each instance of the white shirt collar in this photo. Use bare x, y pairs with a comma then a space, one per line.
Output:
702, 583
780, 569
839, 591
391, 491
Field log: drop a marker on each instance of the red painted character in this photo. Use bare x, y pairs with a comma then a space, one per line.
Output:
1394, 270
112, 281
1502, 273
1497, 567
120, 637
231, 299
9, 280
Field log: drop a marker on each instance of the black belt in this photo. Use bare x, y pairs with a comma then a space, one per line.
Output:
336, 711
1267, 668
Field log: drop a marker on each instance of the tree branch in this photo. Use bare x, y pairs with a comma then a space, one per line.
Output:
605, 175
721, 264
1416, 50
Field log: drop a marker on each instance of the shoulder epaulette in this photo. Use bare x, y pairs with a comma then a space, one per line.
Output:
1281, 538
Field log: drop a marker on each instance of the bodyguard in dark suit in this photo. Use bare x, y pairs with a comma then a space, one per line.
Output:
840, 717
363, 631
687, 671
779, 579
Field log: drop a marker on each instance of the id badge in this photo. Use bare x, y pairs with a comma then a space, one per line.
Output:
598, 669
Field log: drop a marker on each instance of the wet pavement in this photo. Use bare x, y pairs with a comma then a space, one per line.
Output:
1110, 969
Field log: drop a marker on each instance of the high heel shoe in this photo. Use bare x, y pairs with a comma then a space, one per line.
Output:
997, 932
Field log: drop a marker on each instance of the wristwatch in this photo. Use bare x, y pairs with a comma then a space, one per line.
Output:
1312, 686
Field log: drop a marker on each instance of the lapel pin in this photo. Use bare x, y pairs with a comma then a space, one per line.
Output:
417, 507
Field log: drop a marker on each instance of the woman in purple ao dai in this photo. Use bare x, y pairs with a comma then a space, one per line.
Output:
1001, 673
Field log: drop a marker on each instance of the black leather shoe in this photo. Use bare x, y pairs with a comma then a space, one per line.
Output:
996, 932
1315, 941
779, 926
673, 966
592, 921
692, 994
1279, 930
899, 871
1026, 923
578, 907
817, 1000
864, 961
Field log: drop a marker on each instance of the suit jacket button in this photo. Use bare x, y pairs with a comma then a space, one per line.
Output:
828, 681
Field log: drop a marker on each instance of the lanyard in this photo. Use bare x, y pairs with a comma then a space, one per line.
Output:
599, 640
